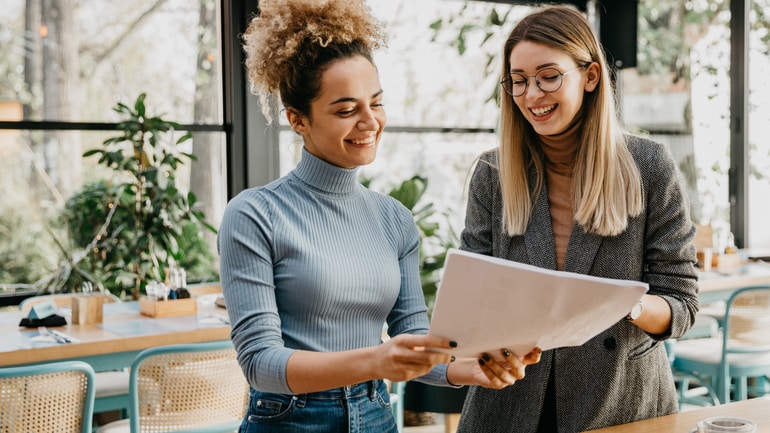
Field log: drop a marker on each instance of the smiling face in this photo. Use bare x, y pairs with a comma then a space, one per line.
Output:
551, 113
347, 118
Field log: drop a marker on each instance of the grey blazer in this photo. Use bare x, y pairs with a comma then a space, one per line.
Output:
622, 374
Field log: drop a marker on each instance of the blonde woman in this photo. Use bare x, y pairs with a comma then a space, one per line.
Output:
313, 264
569, 190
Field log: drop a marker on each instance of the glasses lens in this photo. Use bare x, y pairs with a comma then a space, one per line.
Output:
549, 80
515, 85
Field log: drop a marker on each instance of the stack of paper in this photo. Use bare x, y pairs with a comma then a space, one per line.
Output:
486, 304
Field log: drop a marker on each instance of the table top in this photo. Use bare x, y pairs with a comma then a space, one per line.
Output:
743, 275
124, 330
755, 409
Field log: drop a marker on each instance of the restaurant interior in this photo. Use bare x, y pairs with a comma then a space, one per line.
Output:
104, 307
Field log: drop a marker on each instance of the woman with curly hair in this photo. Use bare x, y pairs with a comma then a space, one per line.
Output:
568, 189
313, 264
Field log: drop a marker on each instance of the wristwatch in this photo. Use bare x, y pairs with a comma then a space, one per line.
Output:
636, 311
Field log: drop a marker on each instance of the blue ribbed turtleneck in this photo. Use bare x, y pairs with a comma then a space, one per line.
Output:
315, 261
326, 177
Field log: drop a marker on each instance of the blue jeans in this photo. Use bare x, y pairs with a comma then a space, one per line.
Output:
362, 408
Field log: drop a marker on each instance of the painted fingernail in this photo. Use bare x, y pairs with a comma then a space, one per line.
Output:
452, 344
485, 356
452, 359
506, 353
481, 361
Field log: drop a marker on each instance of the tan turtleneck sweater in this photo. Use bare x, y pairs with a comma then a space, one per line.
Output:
560, 151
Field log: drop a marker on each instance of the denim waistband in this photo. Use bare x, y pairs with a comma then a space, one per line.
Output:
346, 392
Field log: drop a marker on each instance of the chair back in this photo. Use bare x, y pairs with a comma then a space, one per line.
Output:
54, 397
61, 300
186, 388
746, 332
747, 321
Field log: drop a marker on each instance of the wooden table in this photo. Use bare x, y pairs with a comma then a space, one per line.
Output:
755, 409
718, 284
114, 343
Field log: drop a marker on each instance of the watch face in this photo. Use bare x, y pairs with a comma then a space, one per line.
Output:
636, 311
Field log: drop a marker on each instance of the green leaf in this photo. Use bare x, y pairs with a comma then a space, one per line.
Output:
139, 105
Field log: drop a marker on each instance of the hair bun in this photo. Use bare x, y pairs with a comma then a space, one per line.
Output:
285, 27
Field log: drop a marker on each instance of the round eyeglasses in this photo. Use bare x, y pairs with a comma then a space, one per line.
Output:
548, 80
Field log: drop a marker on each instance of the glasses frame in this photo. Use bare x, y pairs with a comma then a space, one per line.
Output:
509, 81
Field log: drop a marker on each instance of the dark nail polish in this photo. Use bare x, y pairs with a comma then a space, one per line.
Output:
452, 344
506, 353
452, 359
481, 361
485, 356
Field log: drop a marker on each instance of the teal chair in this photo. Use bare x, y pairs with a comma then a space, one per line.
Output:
691, 389
54, 397
397, 403
190, 388
111, 386
741, 351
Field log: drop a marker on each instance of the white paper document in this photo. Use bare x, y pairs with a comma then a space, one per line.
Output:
486, 304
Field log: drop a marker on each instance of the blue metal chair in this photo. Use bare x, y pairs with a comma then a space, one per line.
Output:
185, 388
742, 351
55, 397
397, 403
111, 386
691, 389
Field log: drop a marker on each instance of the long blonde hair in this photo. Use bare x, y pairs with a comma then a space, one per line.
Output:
607, 185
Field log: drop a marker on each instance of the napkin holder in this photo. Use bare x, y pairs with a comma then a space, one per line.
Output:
87, 309
173, 307
43, 314
41, 310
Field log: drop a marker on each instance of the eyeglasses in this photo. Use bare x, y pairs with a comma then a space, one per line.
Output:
548, 80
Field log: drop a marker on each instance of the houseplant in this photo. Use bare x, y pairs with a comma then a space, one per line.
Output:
126, 230
422, 400
435, 238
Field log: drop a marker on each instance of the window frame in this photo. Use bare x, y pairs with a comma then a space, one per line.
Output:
252, 147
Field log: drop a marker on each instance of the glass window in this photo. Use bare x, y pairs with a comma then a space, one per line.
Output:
74, 61
758, 123
679, 95
64, 66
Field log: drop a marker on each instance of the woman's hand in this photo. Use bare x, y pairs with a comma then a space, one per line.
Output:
407, 356
491, 372
399, 359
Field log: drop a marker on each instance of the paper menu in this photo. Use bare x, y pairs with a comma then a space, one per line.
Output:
486, 304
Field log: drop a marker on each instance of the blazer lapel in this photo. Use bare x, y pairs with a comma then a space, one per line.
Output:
538, 238
541, 249
581, 250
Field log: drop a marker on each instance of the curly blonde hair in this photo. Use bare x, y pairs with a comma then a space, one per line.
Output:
290, 43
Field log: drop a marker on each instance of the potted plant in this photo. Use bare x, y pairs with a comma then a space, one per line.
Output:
421, 401
435, 240
126, 230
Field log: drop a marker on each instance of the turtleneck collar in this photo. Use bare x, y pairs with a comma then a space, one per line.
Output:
560, 149
324, 176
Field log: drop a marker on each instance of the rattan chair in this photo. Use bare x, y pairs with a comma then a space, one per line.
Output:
111, 386
185, 388
691, 389
742, 351
55, 397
